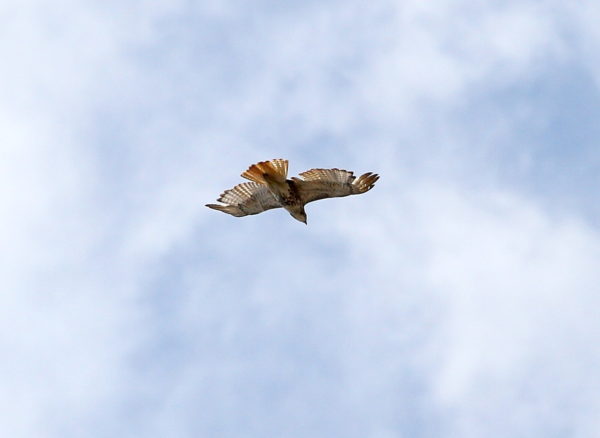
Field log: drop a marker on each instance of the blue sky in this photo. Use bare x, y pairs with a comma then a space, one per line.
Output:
458, 298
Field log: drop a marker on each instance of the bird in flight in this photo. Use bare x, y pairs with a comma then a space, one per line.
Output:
269, 188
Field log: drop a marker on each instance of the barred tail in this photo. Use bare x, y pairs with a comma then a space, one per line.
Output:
267, 171
365, 182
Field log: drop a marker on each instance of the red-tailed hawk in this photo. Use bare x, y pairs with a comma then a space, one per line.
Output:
270, 188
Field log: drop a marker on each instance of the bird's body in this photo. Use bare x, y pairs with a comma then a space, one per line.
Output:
270, 188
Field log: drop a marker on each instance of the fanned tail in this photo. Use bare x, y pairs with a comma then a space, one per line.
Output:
365, 182
274, 171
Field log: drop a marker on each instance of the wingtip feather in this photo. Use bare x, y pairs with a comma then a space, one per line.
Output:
229, 209
366, 182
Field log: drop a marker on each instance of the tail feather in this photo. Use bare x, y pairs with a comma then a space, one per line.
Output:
365, 182
273, 171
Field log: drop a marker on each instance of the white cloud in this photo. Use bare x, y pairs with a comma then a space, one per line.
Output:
493, 299
518, 292
425, 306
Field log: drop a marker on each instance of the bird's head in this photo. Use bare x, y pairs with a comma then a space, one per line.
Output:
299, 214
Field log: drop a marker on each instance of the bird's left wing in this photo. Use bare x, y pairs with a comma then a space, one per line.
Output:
318, 184
246, 199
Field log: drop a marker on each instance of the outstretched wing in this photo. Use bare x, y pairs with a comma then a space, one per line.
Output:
245, 199
318, 184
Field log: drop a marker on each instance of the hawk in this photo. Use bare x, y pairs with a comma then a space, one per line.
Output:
269, 188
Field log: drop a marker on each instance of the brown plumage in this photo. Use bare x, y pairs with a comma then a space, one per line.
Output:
270, 188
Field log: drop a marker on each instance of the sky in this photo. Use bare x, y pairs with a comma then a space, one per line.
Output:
458, 298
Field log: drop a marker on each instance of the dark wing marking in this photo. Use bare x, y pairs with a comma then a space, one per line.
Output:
318, 184
246, 199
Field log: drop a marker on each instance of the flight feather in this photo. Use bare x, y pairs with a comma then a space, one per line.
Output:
246, 199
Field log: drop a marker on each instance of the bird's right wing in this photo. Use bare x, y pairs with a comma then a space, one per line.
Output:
246, 199
318, 184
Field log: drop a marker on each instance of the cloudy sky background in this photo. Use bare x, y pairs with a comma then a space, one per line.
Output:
459, 298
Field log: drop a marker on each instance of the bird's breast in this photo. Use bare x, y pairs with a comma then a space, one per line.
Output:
286, 193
